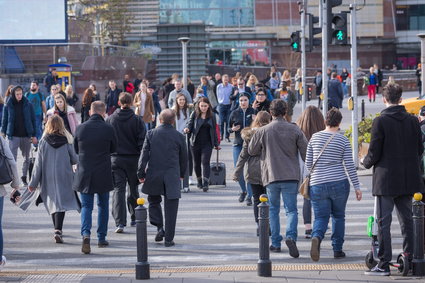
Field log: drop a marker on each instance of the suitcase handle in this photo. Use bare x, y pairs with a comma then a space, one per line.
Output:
216, 164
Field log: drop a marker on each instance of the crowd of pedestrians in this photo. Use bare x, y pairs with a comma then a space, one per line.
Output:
156, 136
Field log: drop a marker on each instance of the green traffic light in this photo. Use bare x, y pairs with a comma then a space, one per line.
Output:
295, 45
340, 35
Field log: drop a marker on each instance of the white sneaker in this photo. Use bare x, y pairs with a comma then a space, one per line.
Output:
120, 229
186, 190
3, 262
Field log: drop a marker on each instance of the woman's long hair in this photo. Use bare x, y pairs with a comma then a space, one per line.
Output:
311, 121
56, 126
198, 111
261, 119
69, 91
65, 108
87, 97
177, 108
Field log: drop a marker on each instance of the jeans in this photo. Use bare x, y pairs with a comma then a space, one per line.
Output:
38, 126
185, 182
244, 186
202, 156
289, 191
224, 114
345, 89
330, 199
385, 208
24, 144
1, 228
102, 216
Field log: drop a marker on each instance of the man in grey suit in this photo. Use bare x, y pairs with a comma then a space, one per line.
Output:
162, 166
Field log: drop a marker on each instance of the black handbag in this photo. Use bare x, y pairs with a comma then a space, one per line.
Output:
6, 174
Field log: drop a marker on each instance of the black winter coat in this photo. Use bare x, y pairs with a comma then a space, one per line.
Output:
130, 131
94, 142
241, 118
163, 162
336, 94
395, 151
194, 124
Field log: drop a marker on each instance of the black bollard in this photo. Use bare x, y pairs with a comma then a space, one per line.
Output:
142, 265
418, 263
363, 110
264, 267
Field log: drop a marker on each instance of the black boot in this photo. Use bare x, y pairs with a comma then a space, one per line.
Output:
199, 184
205, 184
24, 181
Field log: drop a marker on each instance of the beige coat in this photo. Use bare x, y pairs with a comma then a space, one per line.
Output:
149, 109
278, 144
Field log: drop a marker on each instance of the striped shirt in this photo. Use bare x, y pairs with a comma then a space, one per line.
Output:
336, 161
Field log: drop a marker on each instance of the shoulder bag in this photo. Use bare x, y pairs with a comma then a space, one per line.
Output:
304, 188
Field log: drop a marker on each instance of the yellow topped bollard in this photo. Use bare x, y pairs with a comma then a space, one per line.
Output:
417, 196
142, 264
141, 201
264, 198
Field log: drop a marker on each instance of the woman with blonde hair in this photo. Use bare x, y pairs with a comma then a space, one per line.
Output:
286, 77
298, 84
66, 112
310, 122
143, 101
252, 172
252, 81
53, 172
71, 97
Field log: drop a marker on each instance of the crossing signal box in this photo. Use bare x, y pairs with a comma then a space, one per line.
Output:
296, 41
332, 18
340, 28
312, 31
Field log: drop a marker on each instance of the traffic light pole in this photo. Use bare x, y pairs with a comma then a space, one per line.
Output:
324, 22
354, 113
303, 56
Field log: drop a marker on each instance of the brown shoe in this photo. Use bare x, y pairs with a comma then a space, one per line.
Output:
85, 249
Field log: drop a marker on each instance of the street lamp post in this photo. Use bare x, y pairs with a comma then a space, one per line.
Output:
184, 41
422, 37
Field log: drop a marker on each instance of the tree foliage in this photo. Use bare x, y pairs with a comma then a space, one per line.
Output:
114, 15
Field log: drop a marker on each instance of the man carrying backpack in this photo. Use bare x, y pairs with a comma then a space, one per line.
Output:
37, 100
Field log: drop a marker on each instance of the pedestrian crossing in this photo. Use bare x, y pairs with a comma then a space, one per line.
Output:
213, 228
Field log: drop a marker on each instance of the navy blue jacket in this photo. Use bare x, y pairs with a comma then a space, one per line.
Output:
335, 93
241, 118
8, 121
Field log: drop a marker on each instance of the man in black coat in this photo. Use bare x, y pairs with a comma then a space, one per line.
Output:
395, 152
336, 94
130, 131
164, 155
111, 99
94, 143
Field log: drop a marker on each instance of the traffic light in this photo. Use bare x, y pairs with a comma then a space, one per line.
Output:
296, 41
330, 17
340, 28
311, 20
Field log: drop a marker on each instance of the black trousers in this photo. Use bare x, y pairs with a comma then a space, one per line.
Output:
170, 210
202, 157
403, 206
58, 218
124, 170
307, 211
257, 191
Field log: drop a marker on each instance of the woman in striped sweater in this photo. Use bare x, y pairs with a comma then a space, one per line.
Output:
329, 186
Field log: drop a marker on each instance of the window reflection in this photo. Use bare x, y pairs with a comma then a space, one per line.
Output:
221, 13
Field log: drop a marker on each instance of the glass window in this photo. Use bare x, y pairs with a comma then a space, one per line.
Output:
410, 17
245, 52
215, 12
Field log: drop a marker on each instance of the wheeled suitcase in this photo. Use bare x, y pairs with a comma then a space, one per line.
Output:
217, 173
